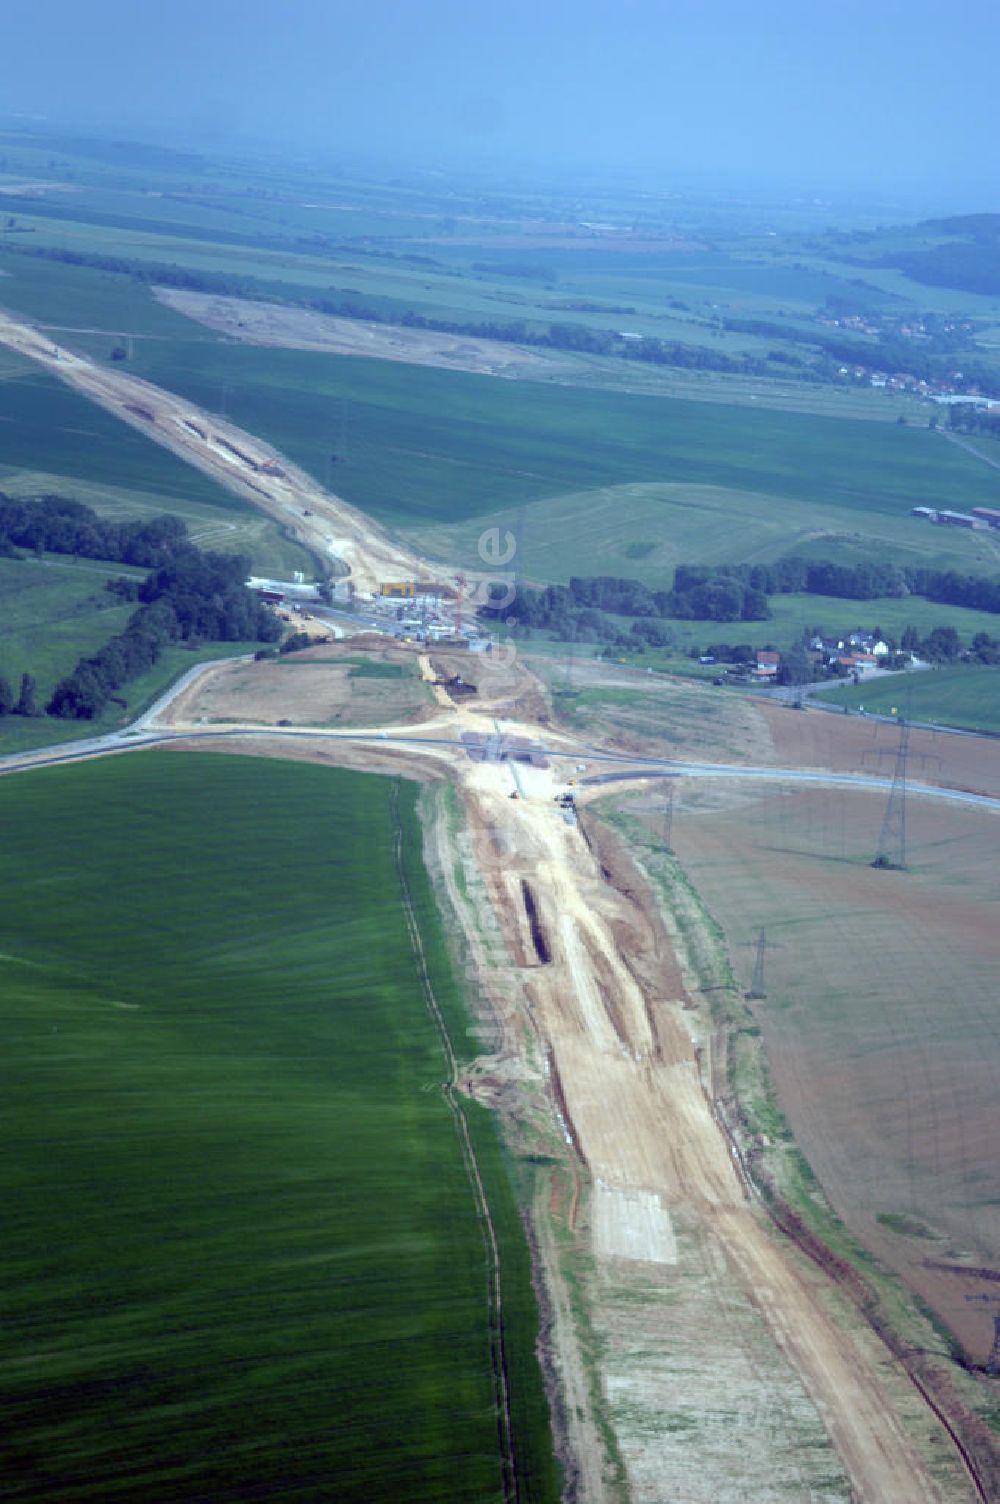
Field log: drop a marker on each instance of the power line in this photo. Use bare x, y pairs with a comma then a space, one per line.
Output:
891, 854
993, 1362
757, 991
570, 658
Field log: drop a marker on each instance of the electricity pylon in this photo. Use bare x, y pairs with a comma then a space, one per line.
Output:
668, 820
757, 984
891, 854
993, 1362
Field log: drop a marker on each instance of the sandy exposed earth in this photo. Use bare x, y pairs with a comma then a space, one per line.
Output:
323, 522
256, 323
723, 1363
627, 1079
319, 686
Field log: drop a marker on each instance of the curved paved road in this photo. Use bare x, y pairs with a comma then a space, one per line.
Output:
144, 734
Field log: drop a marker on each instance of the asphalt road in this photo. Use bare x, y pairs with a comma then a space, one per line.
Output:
141, 734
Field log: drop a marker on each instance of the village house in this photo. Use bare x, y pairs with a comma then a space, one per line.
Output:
767, 665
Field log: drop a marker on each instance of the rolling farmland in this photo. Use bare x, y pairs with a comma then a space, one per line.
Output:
417, 447
233, 1157
55, 610
52, 440
967, 696
643, 529
236, 1150
884, 1049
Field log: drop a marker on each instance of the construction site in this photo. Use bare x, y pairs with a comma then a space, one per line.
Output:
701, 1339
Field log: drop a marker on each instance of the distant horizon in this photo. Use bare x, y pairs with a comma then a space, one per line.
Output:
895, 101
910, 202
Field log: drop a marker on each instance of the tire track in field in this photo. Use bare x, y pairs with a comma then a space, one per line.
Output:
498, 1353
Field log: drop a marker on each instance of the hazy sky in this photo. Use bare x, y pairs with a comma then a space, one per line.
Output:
867, 93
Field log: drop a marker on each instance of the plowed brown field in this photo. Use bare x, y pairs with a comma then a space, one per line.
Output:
851, 744
880, 1020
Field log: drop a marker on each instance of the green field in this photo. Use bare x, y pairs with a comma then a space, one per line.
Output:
417, 447
56, 610
77, 299
54, 440
47, 426
791, 616
241, 1251
967, 697
645, 530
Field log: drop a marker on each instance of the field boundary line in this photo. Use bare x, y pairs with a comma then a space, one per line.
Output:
498, 1354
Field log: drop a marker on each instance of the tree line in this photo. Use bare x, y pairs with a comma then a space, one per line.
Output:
588, 607
190, 596
196, 597
971, 266
61, 525
965, 418
584, 610
347, 304
867, 581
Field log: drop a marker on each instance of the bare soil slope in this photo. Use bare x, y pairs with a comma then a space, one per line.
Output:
255, 323
320, 686
326, 524
879, 1022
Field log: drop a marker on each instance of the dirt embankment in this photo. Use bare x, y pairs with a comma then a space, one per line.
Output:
970, 1434
277, 324
324, 523
504, 686
605, 1009
368, 758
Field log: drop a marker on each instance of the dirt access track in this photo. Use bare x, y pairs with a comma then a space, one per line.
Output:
590, 1003
326, 524
290, 328
603, 995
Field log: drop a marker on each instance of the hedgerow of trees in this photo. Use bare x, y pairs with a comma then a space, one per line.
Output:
346, 304
823, 353
196, 597
61, 525
583, 609
188, 596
